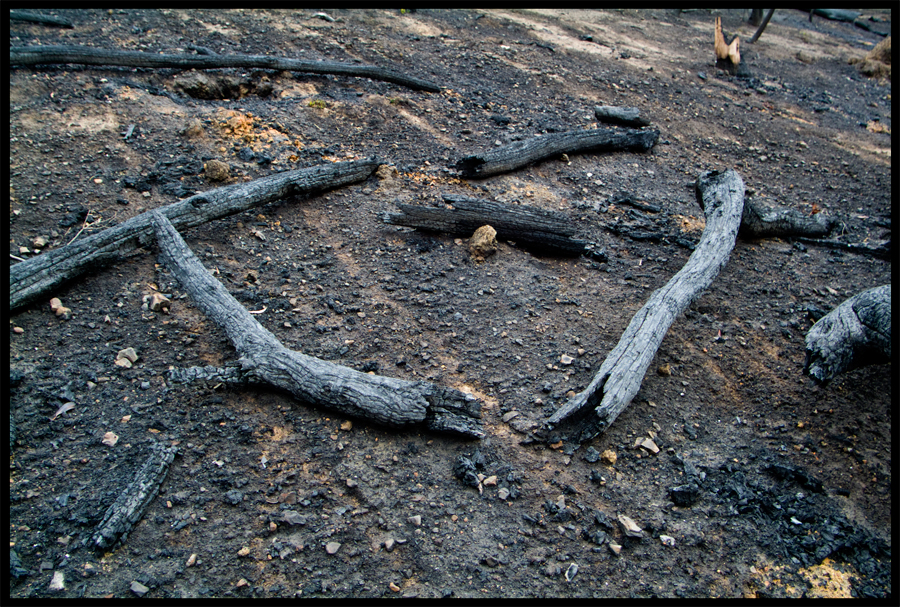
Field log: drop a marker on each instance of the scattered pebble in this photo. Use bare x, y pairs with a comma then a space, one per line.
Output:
615, 548
489, 481
394, 587
630, 528
571, 572
58, 583
191, 560
110, 439
591, 455
159, 303
415, 520
566, 359
39, 242
510, 415
684, 495
126, 358
503, 493
293, 517
347, 426
244, 551
18, 330
389, 544
649, 445
667, 540
483, 243
241, 583
139, 589
59, 309
665, 370
332, 547
216, 170
609, 457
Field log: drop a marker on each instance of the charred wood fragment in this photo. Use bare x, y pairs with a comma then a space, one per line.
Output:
522, 153
40, 18
539, 228
32, 278
592, 411
129, 507
881, 250
759, 221
625, 116
855, 334
84, 55
387, 401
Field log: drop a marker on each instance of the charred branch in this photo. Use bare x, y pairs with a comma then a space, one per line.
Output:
58, 54
386, 401
624, 116
36, 276
538, 228
592, 411
129, 507
759, 221
522, 153
855, 334
39, 18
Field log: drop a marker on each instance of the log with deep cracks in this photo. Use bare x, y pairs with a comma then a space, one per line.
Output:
854, 334
34, 277
85, 55
522, 153
387, 401
591, 411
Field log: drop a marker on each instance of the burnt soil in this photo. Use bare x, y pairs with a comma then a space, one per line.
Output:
785, 487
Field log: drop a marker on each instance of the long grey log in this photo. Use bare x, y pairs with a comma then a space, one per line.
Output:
32, 278
522, 153
524, 224
721, 194
854, 334
387, 401
39, 18
129, 507
51, 54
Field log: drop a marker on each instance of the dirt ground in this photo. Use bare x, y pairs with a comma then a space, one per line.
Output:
783, 488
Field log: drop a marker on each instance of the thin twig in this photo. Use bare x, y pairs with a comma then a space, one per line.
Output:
16, 258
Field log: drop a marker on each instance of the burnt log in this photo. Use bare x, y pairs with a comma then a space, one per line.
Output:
84, 55
762, 27
590, 412
34, 277
386, 401
538, 228
129, 507
759, 221
625, 116
855, 334
40, 18
522, 153
881, 250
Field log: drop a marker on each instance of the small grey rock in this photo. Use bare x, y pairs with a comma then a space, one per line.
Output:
139, 589
234, 497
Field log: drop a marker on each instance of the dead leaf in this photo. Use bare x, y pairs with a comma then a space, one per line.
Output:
61, 410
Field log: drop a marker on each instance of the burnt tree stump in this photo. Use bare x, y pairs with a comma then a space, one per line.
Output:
386, 401
855, 334
34, 277
590, 412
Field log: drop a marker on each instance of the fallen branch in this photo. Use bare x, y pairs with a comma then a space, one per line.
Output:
762, 27
881, 251
721, 195
523, 224
854, 334
522, 153
38, 18
37, 55
129, 507
759, 221
388, 401
625, 116
34, 277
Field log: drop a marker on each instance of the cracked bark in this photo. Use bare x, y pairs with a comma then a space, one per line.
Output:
386, 401
85, 55
129, 507
34, 277
585, 415
855, 334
